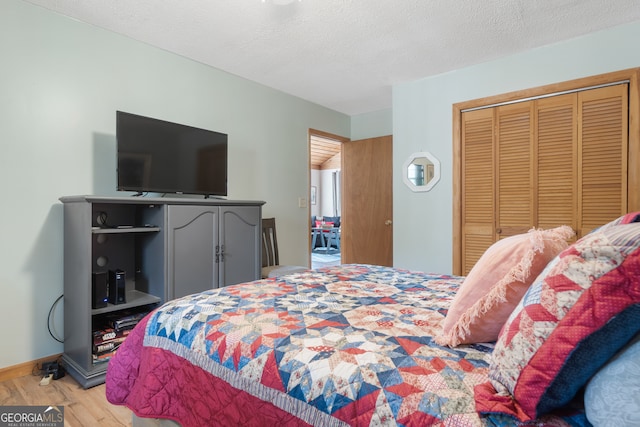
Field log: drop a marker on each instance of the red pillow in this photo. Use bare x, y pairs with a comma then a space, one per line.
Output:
319, 224
574, 318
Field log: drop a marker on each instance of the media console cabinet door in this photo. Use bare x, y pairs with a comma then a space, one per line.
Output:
241, 244
192, 235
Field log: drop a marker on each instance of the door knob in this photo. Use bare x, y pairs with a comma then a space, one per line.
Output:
388, 222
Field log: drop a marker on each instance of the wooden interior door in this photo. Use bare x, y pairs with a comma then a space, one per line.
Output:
367, 202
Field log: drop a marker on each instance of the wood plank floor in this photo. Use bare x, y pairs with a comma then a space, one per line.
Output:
81, 407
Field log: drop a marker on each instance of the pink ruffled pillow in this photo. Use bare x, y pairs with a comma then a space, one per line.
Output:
496, 284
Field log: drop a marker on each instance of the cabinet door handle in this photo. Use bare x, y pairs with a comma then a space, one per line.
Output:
222, 253
217, 254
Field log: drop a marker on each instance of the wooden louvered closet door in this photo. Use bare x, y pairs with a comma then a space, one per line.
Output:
477, 185
514, 169
556, 147
603, 146
553, 161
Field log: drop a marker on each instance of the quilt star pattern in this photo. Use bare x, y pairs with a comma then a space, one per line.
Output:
345, 345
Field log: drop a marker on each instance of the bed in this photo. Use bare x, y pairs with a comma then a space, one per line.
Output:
364, 345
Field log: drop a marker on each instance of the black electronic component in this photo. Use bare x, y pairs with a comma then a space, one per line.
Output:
99, 289
117, 287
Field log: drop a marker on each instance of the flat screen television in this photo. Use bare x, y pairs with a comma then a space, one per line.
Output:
163, 157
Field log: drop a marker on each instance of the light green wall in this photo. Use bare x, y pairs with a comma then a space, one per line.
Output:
422, 121
371, 125
61, 82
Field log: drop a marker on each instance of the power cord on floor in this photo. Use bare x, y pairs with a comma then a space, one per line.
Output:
49, 319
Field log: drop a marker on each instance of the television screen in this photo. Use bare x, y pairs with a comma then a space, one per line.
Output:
163, 157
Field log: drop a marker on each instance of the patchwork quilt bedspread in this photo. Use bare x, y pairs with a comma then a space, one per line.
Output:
346, 345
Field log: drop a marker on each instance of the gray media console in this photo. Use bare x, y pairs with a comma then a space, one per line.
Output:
162, 248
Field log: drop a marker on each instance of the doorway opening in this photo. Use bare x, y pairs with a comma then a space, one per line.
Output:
325, 198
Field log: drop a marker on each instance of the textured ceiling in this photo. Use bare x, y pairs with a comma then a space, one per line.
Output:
346, 54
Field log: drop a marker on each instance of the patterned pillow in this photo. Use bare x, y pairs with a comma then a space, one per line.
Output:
612, 396
580, 311
496, 284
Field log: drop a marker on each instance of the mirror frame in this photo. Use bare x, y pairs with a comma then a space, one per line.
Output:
436, 171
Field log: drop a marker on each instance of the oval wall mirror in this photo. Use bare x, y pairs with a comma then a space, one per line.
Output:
421, 171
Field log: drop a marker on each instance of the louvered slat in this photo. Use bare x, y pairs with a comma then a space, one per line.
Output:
475, 246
